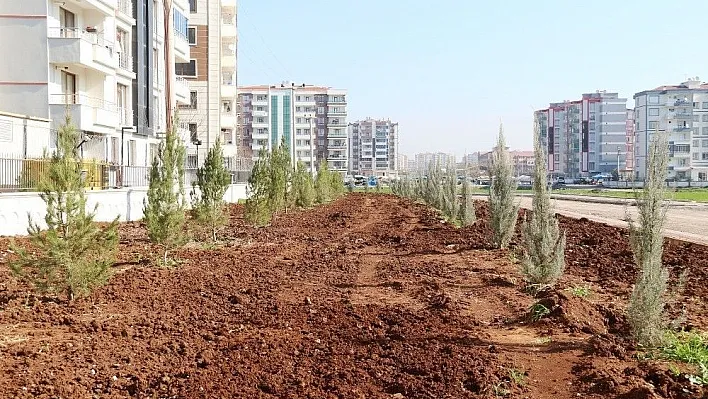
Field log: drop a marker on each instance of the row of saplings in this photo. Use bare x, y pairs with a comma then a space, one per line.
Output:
543, 246
72, 254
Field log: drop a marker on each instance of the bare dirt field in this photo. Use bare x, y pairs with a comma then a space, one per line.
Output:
371, 296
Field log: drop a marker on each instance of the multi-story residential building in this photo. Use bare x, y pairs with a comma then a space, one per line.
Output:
424, 160
682, 112
402, 163
585, 136
629, 163
311, 119
374, 147
210, 113
522, 161
90, 60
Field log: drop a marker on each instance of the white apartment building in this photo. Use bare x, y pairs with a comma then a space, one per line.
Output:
682, 112
211, 72
374, 148
312, 119
86, 58
585, 136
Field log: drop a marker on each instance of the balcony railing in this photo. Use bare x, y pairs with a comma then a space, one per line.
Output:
126, 7
181, 83
83, 34
125, 62
81, 99
125, 116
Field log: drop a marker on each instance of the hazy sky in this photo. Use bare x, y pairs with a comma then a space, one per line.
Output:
449, 70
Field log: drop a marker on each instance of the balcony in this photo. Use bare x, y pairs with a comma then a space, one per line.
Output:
333, 134
125, 65
228, 59
337, 144
125, 11
125, 116
336, 112
260, 101
182, 90
106, 7
76, 46
259, 113
336, 123
181, 46
228, 91
337, 100
683, 115
87, 113
228, 26
228, 121
682, 129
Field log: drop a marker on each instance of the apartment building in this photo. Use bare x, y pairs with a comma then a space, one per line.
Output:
585, 136
100, 61
312, 119
402, 163
424, 160
210, 113
522, 162
682, 112
629, 148
374, 147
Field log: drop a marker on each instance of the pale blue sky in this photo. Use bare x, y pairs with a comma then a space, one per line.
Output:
449, 70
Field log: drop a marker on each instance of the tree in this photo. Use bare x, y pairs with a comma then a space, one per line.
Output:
164, 205
212, 180
257, 210
73, 254
336, 188
280, 174
302, 187
450, 206
504, 210
467, 214
646, 304
323, 183
544, 244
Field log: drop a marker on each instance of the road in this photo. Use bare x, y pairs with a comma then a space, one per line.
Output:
688, 223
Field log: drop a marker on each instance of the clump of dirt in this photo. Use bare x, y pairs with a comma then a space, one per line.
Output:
572, 313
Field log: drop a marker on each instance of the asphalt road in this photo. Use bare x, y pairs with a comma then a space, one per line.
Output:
686, 222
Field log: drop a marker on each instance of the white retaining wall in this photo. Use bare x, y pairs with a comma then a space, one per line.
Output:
125, 203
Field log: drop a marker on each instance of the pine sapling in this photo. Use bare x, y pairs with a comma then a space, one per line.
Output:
323, 184
212, 180
280, 171
543, 242
303, 187
73, 255
164, 206
257, 209
450, 207
467, 213
646, 304
336, 186
503, 208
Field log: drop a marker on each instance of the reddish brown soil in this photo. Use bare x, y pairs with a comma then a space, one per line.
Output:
368, 297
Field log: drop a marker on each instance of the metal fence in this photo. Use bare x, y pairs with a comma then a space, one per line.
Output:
23, 174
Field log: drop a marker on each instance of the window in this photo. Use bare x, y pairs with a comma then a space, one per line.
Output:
192, 5
192, 36
260, 120
67, 19
320, 110
653, 99
702, 176
704, 156
705, 118
696, 143
226, 106
186, 68
180, 24
696, 118
320, 132
695, 156
192, 132
705, 105
227, 136
704, 143
653, 111
653, 124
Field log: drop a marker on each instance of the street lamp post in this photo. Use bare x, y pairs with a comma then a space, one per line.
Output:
197, 143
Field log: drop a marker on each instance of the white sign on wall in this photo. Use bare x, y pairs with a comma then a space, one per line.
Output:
5, 131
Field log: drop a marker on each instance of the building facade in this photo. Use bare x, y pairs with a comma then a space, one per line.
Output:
629, 163
210, 113
374, 148
426, 159
311, 119
681, 111
100, 62
586, 136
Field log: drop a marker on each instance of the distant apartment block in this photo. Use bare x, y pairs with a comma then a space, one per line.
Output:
522, 161
312, 119
402, 163
424, 160
682, 112
374, 147
211, 72
102, 62
585, 136
629, 148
